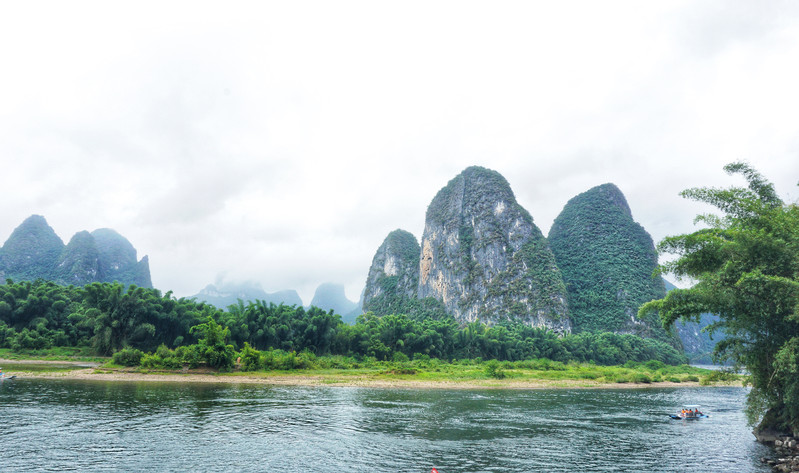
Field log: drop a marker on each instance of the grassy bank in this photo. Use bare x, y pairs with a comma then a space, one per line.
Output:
305, 369
462, 373
83, 354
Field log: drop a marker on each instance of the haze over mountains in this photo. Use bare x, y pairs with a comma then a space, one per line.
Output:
328, 296
481, 259
35, 251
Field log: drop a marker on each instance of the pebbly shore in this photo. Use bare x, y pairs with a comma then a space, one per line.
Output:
787, 450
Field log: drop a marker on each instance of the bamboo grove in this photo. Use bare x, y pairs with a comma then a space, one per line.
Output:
105, 318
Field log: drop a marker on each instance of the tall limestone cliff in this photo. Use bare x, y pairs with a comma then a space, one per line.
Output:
393, 278
607, 260
34, 251
485, 259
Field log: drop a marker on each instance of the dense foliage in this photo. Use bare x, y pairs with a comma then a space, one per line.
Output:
607, 261
109, 318
746, 267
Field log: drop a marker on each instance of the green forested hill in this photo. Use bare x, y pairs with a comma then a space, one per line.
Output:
607, 260
34, 251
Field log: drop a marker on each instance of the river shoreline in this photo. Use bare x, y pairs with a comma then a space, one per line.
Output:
343, 378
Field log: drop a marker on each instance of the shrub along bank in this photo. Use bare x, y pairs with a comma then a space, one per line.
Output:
104, 318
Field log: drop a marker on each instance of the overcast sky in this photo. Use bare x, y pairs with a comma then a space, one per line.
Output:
281, 142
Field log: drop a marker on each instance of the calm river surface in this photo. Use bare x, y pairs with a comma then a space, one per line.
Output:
70, 425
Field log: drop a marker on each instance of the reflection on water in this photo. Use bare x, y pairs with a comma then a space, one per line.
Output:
12, 367
63, 425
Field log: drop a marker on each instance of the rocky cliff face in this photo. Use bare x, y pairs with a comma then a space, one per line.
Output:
79, 263
394, 275
35, 251
607, 260
484, 258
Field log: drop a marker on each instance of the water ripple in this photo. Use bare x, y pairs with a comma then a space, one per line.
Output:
63, 425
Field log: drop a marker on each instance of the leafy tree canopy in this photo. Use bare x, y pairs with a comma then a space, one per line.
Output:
746, 267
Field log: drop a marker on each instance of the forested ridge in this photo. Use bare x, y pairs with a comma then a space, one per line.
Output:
105, 318
607, 261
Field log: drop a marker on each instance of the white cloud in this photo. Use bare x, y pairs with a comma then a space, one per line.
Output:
281, 142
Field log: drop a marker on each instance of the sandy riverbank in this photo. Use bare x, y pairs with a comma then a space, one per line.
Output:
343, 378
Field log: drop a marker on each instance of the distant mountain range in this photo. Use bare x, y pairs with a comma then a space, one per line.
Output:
327, 296
34, 251
224, 295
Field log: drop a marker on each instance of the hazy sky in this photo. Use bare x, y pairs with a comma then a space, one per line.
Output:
281, 142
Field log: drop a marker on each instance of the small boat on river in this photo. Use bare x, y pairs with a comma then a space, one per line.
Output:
4, 377
689, 412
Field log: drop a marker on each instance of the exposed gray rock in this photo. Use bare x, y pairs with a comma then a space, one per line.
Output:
394, 274
79, 263
485, 259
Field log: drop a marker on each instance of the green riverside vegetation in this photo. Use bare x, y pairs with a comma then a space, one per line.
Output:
105, 318
746, 266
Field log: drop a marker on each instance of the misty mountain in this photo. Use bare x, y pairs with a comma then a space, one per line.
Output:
34, 251
331, 296
696, 341
227, 294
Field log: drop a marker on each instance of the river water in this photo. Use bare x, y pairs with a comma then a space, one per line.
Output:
71, 425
